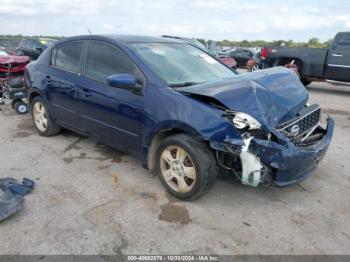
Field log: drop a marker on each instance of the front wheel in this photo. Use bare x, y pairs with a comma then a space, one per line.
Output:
306, 82
42, 119
186, 166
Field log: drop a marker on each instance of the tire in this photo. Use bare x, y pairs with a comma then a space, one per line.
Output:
305, 82
42, 119
198, 158
255, 67
21, 107
13, 103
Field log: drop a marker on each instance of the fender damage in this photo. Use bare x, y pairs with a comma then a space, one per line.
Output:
275, 152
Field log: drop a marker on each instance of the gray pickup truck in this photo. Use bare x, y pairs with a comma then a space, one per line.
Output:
315, 64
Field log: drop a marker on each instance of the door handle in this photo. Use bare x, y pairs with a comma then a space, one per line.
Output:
337, 55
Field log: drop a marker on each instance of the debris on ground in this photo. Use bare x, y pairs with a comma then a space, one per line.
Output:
12, 195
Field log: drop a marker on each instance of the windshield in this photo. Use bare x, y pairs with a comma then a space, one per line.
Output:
181, 64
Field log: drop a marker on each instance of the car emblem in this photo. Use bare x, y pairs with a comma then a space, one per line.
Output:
295, 130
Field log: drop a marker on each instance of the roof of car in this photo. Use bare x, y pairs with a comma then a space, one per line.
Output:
127, 38
142, 39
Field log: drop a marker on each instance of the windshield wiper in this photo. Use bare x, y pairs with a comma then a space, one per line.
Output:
183, 84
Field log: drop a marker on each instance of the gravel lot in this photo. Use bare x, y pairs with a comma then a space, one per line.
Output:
90, 199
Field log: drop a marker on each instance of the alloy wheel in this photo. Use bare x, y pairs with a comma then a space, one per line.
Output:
178, 169
40, 116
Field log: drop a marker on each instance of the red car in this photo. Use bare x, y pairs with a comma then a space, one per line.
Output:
12, 69
229, 61
12, 65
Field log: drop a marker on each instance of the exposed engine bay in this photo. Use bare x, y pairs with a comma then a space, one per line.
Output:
303, 130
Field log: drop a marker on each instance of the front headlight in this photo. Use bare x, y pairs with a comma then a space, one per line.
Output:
243, 120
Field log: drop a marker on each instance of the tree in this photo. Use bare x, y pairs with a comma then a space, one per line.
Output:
314, 42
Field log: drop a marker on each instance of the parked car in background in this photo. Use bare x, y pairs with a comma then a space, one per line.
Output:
224, 58
241, 56
317, 64
11, 80
2, 51
255, 62
33, 47
180, 110
11, 65
227, 60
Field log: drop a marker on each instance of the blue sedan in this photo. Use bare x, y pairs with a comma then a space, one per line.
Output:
187, 116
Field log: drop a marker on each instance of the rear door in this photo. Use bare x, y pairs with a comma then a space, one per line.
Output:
338, 59
111, 114
61, 81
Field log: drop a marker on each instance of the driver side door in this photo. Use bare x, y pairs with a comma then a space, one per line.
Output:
110, 114
338, 59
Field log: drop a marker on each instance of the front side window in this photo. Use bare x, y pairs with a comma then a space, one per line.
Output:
68, 57
181, 64
104, 60
344, 42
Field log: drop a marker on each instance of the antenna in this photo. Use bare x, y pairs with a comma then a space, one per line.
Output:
89, 31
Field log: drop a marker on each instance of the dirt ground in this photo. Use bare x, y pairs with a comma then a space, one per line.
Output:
90, 199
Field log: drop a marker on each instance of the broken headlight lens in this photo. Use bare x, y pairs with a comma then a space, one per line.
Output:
243, 120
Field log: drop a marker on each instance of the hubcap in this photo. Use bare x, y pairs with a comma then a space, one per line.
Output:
40, 116
22, 108
178, 169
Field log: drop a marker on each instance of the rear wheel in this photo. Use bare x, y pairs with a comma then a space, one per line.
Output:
186, 166
42, 119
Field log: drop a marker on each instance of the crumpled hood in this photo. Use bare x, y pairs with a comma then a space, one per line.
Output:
271, 96
9, 59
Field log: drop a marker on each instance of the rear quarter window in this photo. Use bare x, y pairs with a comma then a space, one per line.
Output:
67, 57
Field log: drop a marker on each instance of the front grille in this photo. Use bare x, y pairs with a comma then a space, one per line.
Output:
299, 127
297, 141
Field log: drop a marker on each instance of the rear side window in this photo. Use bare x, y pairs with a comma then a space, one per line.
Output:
67, 57
344, 42
104, 60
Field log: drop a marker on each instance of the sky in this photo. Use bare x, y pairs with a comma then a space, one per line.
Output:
208, 19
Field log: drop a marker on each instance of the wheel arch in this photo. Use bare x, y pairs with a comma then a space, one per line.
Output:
32, 94
153, 142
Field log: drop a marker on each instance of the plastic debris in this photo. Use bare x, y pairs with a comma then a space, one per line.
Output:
12, 195
16, 188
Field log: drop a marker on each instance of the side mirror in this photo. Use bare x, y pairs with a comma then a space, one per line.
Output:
39, 49
124, 81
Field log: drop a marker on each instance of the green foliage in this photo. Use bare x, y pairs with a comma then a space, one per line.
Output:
314, 42
15, 37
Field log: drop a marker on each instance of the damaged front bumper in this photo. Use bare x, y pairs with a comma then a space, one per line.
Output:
289, 163
279, 161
